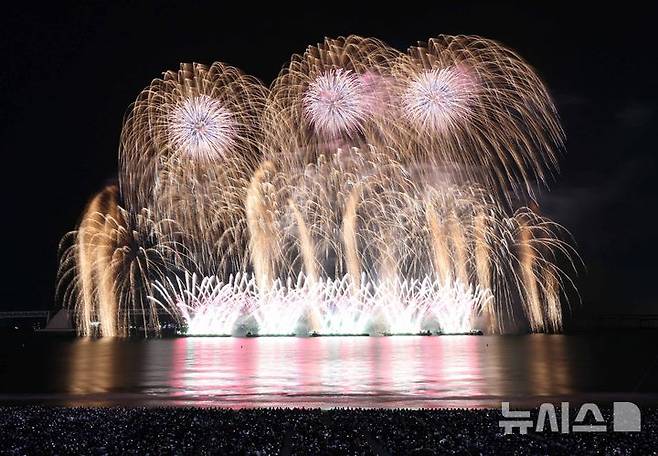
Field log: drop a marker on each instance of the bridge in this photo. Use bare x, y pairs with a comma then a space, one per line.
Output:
21, 314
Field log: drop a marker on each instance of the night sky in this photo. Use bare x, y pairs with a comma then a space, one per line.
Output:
69, 75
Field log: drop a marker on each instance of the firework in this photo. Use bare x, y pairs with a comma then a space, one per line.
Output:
305, 307
336, 102
365, 216
367, 191
476, 107
188, 148
201, 128
111, 263
329, 97
438, 100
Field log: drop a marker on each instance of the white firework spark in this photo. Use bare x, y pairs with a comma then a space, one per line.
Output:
201, 128
336, 103
436, 99
303, 306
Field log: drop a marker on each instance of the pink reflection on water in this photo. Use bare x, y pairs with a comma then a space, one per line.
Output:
328, 371
178, 363
204, 368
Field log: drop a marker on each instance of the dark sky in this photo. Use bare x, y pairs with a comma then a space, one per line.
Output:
70, 73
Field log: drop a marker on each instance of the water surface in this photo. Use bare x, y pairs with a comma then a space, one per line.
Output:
400, 371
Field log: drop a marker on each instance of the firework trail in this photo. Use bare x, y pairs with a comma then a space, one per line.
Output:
109, 266
367, 191
86, 260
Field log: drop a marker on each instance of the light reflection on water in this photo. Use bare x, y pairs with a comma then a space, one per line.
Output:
448, 371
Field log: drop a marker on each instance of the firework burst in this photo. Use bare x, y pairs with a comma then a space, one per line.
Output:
188, 149
367, 191
327, 98
437, 100
335, 103
477, 108
202, 128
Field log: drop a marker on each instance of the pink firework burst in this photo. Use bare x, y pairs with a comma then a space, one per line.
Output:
437, 99
336, 102
201, 128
